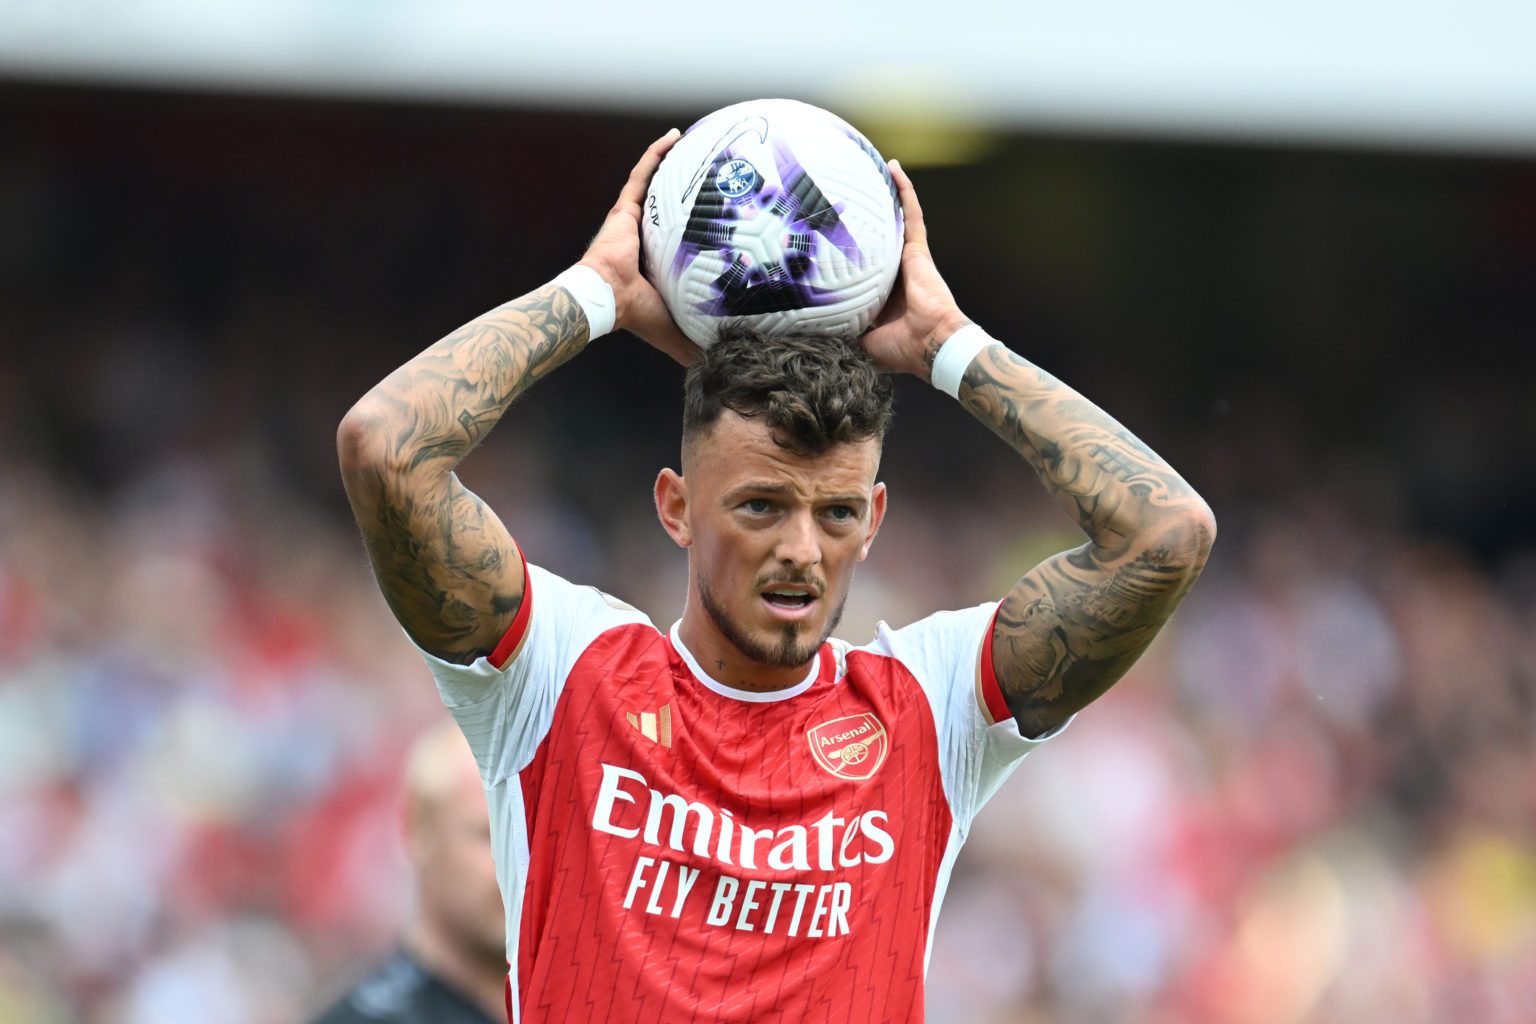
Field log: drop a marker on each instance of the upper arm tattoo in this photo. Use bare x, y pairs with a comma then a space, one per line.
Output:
1073, 626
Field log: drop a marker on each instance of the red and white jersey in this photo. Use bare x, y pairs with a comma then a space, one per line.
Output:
672, 849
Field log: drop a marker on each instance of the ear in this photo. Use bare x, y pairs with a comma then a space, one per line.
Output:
876, 517
672, 507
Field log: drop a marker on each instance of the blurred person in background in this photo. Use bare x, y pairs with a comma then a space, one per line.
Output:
763, 740
451, 967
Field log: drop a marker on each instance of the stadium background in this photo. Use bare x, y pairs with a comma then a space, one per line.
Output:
1311, 802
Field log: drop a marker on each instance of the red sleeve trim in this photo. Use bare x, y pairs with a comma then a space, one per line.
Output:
991, 689
512, 639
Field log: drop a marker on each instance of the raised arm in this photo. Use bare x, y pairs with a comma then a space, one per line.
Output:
1071, 627
444, 561
1076, 622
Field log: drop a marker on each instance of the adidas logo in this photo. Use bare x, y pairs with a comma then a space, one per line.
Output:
655, 726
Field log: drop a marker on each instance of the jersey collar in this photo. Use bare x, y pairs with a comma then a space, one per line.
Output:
824, 665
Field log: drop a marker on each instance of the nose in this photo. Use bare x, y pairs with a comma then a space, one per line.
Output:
798, 543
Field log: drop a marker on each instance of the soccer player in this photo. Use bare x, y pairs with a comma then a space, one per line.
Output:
451, 967
738, 819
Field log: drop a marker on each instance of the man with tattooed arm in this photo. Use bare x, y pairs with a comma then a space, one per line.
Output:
740, 818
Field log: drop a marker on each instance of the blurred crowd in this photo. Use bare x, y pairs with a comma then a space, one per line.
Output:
1312, 802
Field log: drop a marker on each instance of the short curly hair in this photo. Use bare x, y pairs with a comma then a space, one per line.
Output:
813, 393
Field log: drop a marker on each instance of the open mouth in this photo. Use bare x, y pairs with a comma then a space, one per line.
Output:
787, 599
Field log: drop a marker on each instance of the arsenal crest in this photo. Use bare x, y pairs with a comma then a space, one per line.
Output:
852, 747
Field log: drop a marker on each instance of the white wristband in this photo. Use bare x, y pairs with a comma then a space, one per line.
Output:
593, 295
956, 355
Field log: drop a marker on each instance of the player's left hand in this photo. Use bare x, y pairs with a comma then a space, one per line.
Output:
615, 254
921, 313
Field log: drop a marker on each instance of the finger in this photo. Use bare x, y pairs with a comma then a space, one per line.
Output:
896, 305
673, 342
640, 177
881, 343
911, 211
654, 324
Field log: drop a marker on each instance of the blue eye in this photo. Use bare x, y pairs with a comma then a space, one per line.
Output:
758, 505
842, 512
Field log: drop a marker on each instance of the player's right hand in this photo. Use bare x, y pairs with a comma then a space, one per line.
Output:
615, 254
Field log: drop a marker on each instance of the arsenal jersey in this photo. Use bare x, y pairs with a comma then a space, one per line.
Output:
671, 849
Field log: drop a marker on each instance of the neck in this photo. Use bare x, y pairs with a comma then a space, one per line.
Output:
480, 979
726, 663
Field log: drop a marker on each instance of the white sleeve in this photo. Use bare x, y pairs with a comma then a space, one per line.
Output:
506, 712
976, 754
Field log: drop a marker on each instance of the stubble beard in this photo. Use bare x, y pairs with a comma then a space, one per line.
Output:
791, 651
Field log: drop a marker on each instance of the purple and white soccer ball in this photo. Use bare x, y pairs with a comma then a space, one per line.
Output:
775, 213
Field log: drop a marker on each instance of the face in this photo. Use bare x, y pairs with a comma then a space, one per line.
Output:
773, 541
449, 841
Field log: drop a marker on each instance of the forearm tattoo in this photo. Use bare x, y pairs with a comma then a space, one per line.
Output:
453, 393
1072, 626
443, 560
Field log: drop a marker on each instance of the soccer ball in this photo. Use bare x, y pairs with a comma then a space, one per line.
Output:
777, 214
